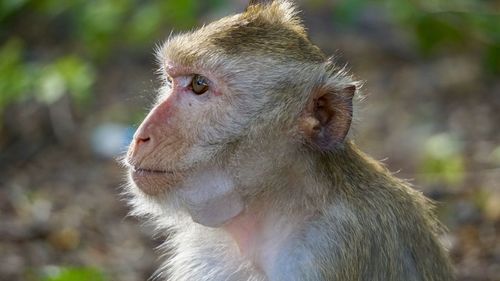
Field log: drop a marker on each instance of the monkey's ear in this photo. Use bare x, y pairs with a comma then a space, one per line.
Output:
326, 120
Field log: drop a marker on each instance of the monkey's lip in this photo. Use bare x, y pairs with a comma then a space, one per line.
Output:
144, 171
154, 181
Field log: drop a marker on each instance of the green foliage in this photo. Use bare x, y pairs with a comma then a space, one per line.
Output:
15, 78
145, 22
439, 26
46, 82
68, 74
9, 7
443, 161
183, 13
91, 30
457, 30
147, 19
346, 12
74, 274
99, 23
88, 32
434, 31
102, 25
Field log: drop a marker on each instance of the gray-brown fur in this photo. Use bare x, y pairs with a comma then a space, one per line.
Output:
395, 235
277, 132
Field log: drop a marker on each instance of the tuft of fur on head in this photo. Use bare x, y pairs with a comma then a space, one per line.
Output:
263, 30
278, 13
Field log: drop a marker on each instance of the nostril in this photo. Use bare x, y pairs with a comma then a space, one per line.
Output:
139, 145
143, 139
144, 135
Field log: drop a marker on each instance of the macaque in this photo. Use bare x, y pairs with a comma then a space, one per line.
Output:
246, 162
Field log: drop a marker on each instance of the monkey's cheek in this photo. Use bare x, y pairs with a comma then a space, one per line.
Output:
155, 183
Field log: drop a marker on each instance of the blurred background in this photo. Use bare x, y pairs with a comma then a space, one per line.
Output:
77, 77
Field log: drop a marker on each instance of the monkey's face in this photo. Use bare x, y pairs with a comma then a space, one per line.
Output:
211, 99
182, 132
233, 96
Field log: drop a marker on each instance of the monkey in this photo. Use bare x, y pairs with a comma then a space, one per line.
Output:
246, 161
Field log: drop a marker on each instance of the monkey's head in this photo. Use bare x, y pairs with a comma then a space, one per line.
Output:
242, 93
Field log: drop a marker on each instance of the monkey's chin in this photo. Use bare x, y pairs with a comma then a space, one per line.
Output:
154, 182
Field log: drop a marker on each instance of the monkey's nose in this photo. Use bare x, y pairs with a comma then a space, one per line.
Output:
141, 139
144, 140
140, 146
143, 134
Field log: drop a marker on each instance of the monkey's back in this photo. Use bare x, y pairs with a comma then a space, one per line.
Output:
388, 228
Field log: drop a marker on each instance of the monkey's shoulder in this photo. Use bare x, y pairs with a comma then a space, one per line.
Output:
384, 227
390, 203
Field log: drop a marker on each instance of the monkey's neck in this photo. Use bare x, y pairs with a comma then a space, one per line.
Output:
287, 206
244, 229
341, 167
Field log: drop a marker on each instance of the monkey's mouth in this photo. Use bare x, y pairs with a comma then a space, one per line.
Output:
144, 171
154, 181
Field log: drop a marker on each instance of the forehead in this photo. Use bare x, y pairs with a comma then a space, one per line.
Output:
241, 35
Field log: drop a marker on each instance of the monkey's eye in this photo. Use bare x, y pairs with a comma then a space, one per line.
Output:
199, 84
169, 80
